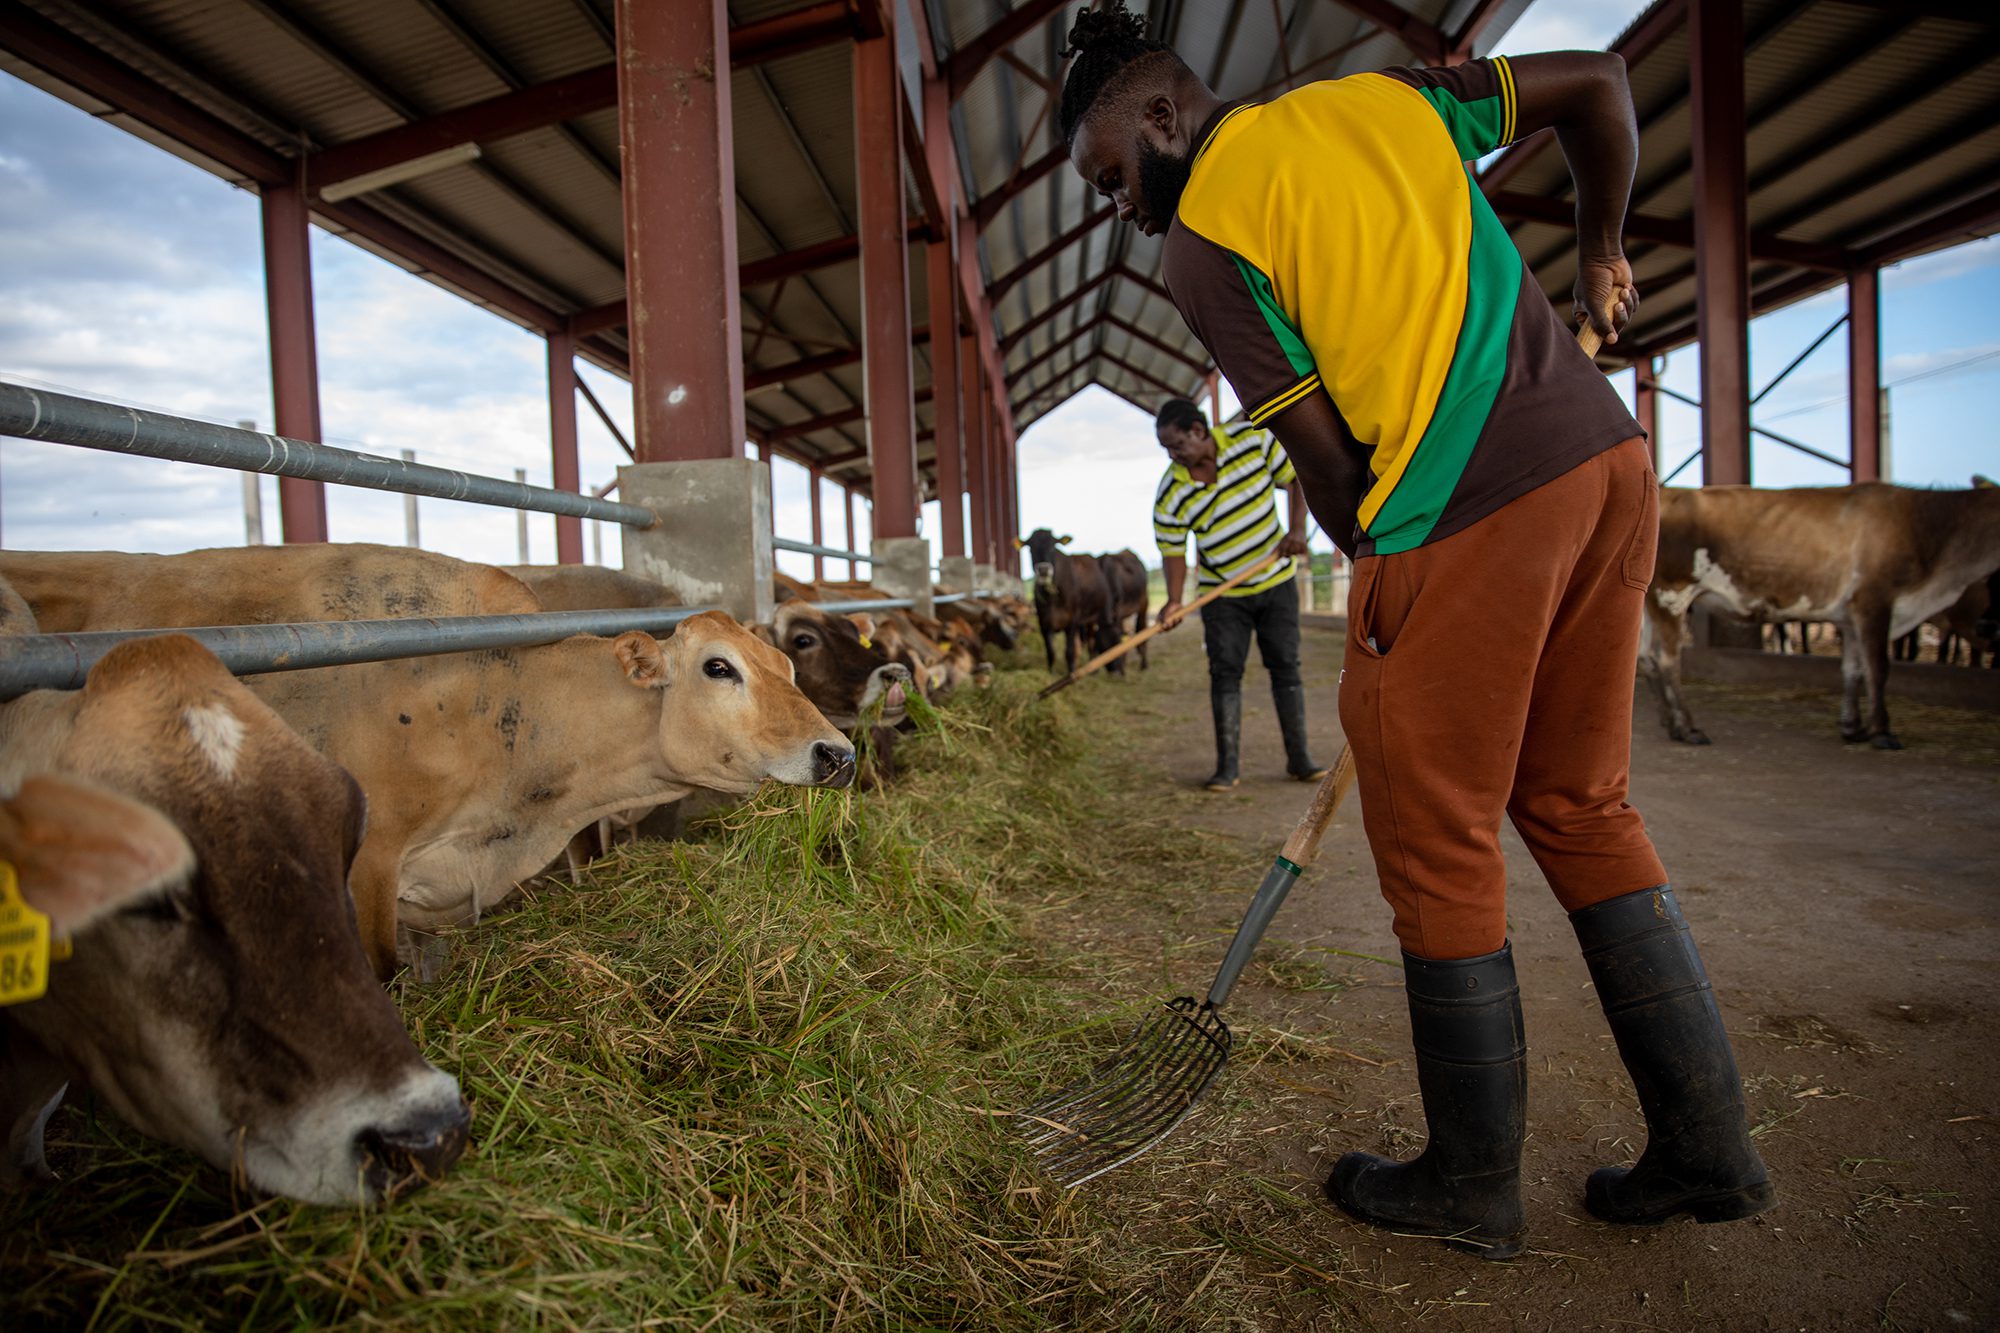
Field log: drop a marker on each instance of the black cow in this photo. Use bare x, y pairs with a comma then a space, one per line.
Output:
1070, 595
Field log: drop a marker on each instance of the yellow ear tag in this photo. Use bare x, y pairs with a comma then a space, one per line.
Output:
865, 642
24, 944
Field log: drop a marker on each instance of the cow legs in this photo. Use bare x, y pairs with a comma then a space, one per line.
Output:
1865, 664
1660, 657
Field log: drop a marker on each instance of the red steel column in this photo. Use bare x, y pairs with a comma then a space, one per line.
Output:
1864, 373
885, 287
1721, 258
946, 432
677, 149
850, 530
562, 442
1646, 405
975, 457
288, 305
813, 477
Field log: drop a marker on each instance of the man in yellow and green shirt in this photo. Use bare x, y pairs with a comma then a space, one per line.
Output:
1333, 254
1220, 489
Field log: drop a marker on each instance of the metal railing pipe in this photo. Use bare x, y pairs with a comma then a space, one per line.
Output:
37, 414
831, 552
61, 661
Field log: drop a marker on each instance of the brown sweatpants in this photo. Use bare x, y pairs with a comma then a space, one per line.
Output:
1500, 681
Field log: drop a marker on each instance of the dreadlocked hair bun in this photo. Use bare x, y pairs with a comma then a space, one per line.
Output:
1103, 42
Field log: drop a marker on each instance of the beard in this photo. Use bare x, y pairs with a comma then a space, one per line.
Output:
1163, 178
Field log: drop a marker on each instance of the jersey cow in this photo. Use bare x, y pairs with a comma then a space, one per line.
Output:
1070, 595
1876, 560
478, 766
216, 995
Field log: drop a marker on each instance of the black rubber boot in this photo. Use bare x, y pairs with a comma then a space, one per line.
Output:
1698, 1158
1290, 703
1227, 705
1472, 1068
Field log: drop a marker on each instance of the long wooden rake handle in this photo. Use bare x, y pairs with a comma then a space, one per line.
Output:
1300, 849
1127, 644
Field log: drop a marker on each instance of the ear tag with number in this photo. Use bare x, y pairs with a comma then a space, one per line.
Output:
24, 944
865, 643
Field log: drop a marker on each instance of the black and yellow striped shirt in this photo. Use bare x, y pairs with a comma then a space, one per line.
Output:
1235, 521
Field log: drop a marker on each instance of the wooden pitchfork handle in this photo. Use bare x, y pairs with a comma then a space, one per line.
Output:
1126, 645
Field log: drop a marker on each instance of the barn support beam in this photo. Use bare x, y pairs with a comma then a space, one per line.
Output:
1646, 406
978, 482
1722, 274
885, 290
946, 435
288, 308
814, 478
1864, 374
562, 443
680, 231
852, 566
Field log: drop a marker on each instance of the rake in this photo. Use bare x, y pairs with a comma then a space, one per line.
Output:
1135, 1098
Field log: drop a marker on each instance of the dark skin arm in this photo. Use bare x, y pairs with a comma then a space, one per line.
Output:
1583, 97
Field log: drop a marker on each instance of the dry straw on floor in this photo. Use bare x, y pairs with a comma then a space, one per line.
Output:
745, 1081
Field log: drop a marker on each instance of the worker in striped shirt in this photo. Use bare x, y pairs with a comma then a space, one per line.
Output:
1220, 488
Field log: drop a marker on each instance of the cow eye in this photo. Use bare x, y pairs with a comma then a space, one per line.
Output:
718, 668
803, 641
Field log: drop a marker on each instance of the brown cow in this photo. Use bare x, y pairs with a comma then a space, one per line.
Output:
478, 766
1876, 560
217, 995
842, 671
591, 588
1125, 587
1070, 595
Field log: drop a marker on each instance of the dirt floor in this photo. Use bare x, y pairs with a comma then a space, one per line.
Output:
1845, 901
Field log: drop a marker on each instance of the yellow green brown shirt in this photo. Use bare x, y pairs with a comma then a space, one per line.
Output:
1333, 239
1234, 521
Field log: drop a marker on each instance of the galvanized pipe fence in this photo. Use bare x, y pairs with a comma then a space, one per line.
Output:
62, 661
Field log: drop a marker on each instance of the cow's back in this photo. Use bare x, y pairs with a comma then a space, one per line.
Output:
590, 588
75, 591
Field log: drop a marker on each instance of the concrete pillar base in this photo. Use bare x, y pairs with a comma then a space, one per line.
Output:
958, 574
903, 569
712, 545
985, 579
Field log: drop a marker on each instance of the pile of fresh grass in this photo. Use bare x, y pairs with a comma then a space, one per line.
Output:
750, 1080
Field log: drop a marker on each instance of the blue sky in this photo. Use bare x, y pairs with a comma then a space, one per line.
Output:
132, 276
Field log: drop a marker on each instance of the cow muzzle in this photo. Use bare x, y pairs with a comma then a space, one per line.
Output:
832, 765
1045, 577
402, 1157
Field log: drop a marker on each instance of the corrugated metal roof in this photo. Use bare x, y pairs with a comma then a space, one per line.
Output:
1863, 118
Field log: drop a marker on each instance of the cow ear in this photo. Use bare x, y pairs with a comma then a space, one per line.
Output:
80, 852
1019, 544
765, 632
640, 657
1064, 540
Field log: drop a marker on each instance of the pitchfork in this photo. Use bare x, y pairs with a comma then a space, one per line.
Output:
1135, 1098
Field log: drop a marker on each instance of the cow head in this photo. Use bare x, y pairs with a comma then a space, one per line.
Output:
216, 996
843, 671
987, 623
731, 713
1042, 550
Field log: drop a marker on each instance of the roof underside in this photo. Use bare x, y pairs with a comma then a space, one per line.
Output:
1873, 132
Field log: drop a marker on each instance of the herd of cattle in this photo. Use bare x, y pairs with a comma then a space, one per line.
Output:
232, 866
236, 864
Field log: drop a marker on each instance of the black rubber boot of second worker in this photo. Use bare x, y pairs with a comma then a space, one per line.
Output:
1472, 1068
1227, 704
1290, 703
1698, 1158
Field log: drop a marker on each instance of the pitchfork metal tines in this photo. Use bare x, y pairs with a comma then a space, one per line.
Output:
1132, 1100
1135, 1098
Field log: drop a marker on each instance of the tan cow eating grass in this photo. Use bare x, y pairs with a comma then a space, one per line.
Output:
1877, 560
216, 995
478, 766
